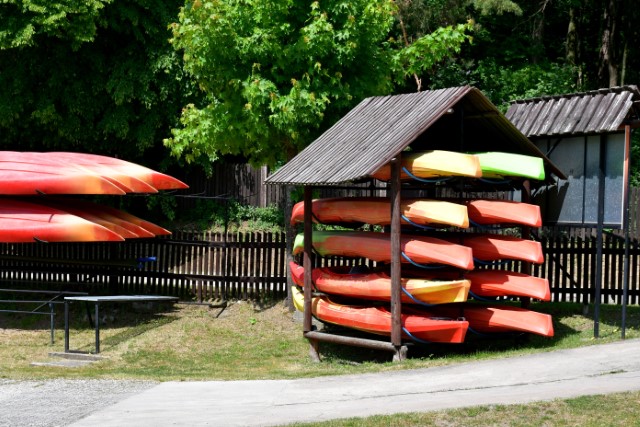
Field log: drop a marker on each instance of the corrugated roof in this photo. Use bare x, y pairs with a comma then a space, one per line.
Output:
379, 128
598, 111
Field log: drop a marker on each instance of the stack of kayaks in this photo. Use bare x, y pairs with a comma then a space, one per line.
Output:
33, 214
445, 275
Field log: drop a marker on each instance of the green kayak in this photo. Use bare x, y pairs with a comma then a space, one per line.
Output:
502, 165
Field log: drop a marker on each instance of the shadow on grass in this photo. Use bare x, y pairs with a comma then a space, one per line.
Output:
568, 321
144, 325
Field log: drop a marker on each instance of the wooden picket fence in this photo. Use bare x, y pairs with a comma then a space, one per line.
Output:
209, 266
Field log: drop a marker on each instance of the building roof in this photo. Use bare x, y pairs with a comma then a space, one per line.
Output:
598, 111
379, 128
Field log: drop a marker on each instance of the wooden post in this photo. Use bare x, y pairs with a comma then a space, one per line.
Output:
599, 237
396, 273
525, 302
307, 263
625, 224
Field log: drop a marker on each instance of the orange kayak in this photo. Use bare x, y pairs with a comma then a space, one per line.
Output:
377, 320
499, 318
377, 286
377, 247
377, 211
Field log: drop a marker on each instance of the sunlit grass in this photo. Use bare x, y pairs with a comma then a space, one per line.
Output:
620, 409
259, 341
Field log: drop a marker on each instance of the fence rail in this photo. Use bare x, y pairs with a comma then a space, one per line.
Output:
208, 266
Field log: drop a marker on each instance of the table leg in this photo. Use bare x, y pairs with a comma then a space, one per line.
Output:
66, 326
51, 313
97, 323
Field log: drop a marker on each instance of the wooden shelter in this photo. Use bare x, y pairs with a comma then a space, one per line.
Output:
589, 135
375, 133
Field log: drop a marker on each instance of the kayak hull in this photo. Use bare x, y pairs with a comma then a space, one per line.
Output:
494, 247
496, 212
31, 180
500, 318
77, 173
377, 211
435, 164
24, 222
377, 247
498, 165
377, 320
377, 286
496, 283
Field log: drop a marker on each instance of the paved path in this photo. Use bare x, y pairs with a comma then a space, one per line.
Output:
597, 369
604, 368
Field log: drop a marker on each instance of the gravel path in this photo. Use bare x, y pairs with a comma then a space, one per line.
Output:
60, 402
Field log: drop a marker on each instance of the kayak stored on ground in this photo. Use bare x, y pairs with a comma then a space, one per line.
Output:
420, 325
497, 318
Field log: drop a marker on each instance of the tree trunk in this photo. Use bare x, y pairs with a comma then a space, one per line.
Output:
538, 31
608, 69
573, 46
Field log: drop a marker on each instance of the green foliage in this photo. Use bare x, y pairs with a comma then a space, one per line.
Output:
213, 214
22, 22
427, 51
504, 84
498, 7
274, 73
94, 76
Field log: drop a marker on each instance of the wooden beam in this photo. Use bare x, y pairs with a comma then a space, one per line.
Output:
396, 304
307, 263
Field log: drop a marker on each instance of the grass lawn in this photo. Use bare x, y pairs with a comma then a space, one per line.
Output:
256, 341
621, 409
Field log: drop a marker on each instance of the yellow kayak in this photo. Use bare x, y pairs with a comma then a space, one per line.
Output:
434, 164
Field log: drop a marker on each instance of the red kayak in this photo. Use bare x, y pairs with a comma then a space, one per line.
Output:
495, 212
155, 179
498, 283
37, 170
107, 217
377, 286
27, 179
377, 247
499, 318
494, 247
377, 211
377, 320
22, 222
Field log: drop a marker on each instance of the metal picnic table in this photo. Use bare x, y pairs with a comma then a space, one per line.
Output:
99, 299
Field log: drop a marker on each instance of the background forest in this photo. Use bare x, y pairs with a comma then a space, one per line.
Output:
177, 85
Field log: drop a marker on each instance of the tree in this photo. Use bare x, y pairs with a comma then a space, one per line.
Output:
24, 21
275, 73
96, 75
